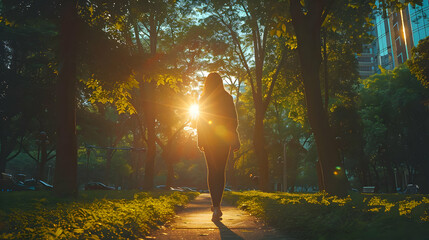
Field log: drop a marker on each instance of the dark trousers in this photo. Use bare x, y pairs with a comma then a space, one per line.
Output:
216, 158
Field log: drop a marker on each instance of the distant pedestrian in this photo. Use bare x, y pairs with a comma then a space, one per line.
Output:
217, 135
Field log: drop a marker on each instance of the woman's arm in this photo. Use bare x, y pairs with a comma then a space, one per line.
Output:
232, 114
234, 125
200, 131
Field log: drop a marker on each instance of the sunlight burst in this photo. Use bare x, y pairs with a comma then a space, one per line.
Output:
194, 111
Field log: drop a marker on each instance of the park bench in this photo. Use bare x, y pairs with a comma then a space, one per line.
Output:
368, 189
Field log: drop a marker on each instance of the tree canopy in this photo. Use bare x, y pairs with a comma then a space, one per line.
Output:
114, 82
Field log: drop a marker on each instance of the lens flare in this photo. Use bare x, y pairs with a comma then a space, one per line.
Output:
194, 111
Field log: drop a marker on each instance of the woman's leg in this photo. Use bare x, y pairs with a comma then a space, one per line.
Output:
216, 159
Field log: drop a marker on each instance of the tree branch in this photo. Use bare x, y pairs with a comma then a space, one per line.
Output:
245, 9
160, 143
274, 79
264, 39
145, 26
241, 54
242, 153
327, 9
52, 149
29, 154
18, 152
297, 15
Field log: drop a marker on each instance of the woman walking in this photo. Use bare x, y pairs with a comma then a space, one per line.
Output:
217, 135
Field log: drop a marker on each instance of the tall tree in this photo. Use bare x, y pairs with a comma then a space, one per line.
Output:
65, 179
307, 19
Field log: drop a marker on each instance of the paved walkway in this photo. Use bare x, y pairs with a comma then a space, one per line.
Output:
194, 222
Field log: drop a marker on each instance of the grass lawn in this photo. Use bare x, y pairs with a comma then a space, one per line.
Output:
319, 216
93, 215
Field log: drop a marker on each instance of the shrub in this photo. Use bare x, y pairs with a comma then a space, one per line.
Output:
320, 216
100, 219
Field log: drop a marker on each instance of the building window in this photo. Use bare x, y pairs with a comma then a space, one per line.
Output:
365, 59
366, 68
398, 41
400, 58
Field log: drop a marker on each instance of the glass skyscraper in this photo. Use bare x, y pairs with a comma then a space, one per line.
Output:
396, 33
419, 16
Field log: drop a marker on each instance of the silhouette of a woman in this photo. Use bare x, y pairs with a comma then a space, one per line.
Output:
217, 135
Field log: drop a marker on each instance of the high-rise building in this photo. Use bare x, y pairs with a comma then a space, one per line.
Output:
419, 19
396, 33
367, 61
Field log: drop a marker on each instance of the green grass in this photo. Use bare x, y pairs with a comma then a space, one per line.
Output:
319, 216
93, 215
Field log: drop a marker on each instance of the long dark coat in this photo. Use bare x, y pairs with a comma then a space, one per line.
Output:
217, 122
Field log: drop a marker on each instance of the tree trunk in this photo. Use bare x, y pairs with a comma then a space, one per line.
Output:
390, 177
149, 116
109, 156
7, 144
43, 160
333, 175
3, 148
137, 159
2, 165
377, 177
65, 180
293, 156
386, 179
170, 173
260, 152
149, 108
138, 42
325, 70
307, 28
365, 173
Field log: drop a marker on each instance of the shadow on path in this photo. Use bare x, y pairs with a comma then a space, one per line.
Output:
194, 222
225, 232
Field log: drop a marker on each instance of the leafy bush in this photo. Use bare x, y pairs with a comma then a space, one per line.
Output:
320, 216
114, 218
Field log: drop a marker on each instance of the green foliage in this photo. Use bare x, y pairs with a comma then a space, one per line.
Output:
394, 118
320, 216
27, 75
118, 215
120, 94
419, 62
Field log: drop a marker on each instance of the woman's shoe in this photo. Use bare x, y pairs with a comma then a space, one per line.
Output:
217, 214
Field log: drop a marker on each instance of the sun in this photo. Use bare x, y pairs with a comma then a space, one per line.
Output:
194, 111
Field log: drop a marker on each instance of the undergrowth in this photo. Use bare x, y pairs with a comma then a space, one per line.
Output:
131, 216
320, 216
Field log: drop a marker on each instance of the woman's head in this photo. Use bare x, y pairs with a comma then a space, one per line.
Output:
213, 83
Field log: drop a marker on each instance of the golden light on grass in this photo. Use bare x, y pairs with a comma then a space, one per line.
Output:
194, 111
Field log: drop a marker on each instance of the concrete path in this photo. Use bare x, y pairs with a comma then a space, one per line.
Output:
194, 222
